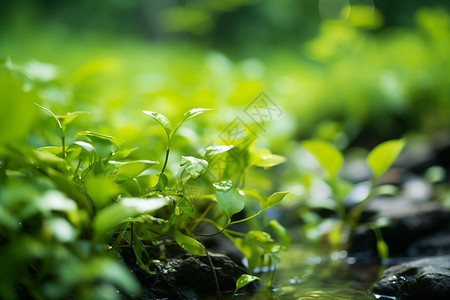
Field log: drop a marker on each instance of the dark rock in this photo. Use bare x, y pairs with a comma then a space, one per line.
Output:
188, 277
427, 278
409, 222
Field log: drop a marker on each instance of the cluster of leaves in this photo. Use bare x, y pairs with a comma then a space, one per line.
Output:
331, 161
66, 210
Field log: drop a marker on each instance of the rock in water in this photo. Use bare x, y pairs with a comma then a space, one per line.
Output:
427, 278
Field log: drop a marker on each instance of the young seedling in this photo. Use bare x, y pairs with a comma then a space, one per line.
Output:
379, 160
244, 280
62, 121
170, 132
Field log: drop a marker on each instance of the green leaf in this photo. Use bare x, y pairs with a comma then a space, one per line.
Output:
280, 232
189, 115
139, 251
161, 119
214, 150
133, 168
194, 166
194, 112
110, 270
51, 113
104, 144
230, 200
51, 149
86, 146
263, 240
273, 200
66, 119
382, 247
60, 229
114, 215
189, 244
102, 190
223, 186
17, 112
123, 153
243, 280
264, 158
187, 210
383, 155
99, 138
259, 237
326, 154
251, 251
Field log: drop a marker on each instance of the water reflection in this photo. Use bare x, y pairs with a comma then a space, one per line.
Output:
304, 274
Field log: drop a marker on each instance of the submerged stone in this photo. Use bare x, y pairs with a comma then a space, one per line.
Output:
427, 278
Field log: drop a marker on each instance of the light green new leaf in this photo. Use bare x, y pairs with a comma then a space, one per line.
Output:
194, 112
114, 215
194, 166
189, 244
50, 149
133, 168
251, 251
383, 155
243, 280
264, 158
230, 200
161, 119
280, 232
100, 138
189, 115
101, 190
51, 113
326, 154
273, 200
86, 146
66, 119
214, 150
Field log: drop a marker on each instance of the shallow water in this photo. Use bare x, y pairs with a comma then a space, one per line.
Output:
303, 274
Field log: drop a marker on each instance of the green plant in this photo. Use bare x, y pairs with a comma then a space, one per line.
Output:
378, 160
84, 200
230, 198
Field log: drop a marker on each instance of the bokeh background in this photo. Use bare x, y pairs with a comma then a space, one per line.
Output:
351, 72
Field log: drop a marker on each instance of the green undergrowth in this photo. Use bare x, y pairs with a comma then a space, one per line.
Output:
68, 207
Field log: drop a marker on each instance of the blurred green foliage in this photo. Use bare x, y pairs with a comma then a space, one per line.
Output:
343, 72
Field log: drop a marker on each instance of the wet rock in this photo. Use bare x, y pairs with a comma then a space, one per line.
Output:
409, 223
427, 278
189, 277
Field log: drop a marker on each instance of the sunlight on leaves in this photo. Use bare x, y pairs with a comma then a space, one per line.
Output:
329, 158
383, 155
161, 119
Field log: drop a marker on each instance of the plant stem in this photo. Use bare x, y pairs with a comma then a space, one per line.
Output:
246, 219
63, 143
217, 226
212, 269
210, 206
166, 159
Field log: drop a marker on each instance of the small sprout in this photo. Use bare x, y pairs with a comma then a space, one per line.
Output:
244, 280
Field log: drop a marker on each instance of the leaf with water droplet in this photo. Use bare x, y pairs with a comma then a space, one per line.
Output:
162, 120
243, 280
